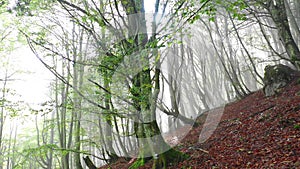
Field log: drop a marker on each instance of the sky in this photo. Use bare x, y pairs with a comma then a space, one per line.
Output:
34, 80
149, 5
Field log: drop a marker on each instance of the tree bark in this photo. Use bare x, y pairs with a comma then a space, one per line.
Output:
278, 13
89, 163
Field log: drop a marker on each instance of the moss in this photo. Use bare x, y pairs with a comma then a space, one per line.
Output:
277, 73
298, 81
276, 77
138, 163
163, 160
171, 156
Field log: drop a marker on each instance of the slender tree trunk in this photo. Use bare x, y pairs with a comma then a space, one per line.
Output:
51, 141
78, 72
3, 98
9, 150
62, 90
292, 19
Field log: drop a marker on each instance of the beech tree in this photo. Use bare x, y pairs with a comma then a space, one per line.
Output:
275, 15
143, 86
107, 59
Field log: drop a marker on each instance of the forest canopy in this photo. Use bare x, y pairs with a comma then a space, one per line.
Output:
125, 74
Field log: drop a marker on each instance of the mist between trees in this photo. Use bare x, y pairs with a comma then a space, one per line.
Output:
123, 79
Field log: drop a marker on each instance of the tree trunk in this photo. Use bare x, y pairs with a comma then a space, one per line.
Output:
151, 142
3, 98
278, 12
89, 162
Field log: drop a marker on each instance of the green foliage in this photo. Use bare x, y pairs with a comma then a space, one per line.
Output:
30, 7
210, 11
27, 155
236, 8
3, 6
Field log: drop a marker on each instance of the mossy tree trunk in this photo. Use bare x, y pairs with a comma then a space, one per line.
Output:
278, 13
145, 92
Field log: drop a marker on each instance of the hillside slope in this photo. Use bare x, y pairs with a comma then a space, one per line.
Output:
256, 132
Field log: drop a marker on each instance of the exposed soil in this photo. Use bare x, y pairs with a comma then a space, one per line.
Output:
255, 132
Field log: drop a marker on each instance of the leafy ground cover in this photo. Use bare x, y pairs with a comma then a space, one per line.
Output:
255, 132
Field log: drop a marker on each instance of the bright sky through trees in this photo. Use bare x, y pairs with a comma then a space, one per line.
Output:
34, 86
149, 6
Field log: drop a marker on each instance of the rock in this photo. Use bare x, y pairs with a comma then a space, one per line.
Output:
276, 77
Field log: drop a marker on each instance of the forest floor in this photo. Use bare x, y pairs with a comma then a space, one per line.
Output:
255, 132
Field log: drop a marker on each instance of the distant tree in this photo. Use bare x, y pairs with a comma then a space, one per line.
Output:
10, 103
275, 15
